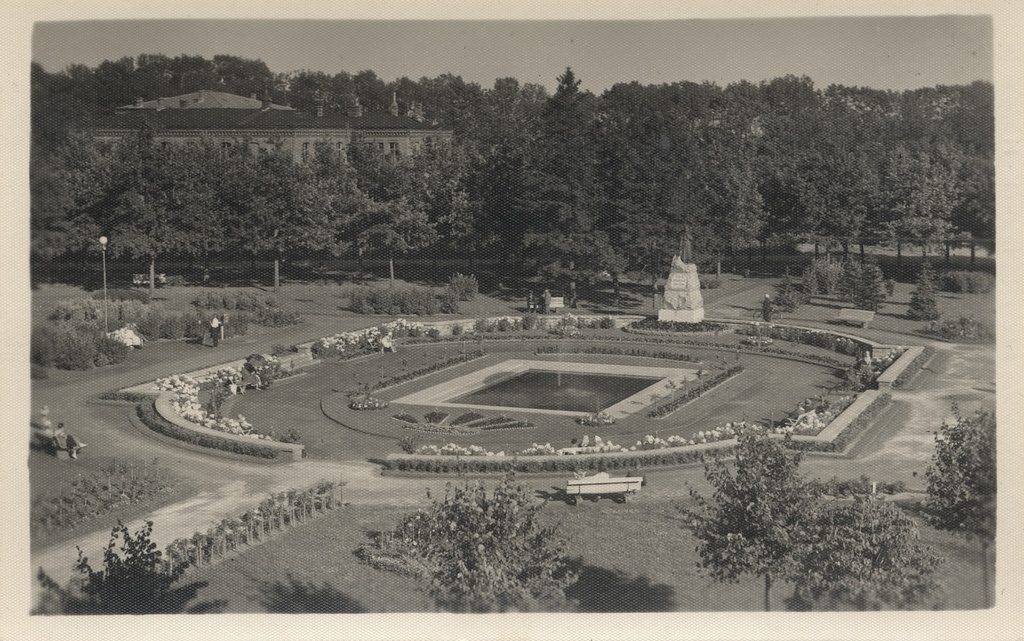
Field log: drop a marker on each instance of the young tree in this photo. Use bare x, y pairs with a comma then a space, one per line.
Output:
864, 554
962, 480
755, 521
922, 299
133, 580
480, 552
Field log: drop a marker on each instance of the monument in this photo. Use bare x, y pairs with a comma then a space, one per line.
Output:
682, 301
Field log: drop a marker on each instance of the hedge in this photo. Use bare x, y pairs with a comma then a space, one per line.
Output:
852, 431
148, 415
691, 394
913, 368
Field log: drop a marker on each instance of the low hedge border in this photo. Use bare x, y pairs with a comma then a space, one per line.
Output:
661, 411
912, 368
199, 440
668, 456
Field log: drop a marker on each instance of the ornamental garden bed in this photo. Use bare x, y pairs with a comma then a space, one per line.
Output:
424, 358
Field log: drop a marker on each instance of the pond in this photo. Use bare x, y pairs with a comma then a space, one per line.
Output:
553, 390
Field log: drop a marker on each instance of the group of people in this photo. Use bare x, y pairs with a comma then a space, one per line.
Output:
59, 439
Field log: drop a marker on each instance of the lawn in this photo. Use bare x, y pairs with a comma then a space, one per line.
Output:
632, 557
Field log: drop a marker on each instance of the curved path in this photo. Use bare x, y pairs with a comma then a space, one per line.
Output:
898, 449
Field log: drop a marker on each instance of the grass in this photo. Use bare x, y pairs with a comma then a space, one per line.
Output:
632, 557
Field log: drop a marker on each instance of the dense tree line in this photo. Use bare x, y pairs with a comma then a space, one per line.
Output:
572, 182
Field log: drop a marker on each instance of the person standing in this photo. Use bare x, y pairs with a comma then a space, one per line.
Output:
767, 308
215, 330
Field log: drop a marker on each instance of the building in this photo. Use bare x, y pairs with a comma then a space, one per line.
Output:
228, 120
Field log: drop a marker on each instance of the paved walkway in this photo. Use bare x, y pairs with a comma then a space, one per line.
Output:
229, 488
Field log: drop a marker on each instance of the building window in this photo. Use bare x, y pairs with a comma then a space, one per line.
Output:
225, 148
394, 149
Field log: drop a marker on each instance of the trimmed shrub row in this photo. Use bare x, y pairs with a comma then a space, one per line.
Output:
913, 368
566, 464
423, 371
691, 394
148, 415
614, 351
852, 431
963, 330
653, 324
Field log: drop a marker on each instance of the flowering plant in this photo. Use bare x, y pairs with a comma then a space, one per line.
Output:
368, 403
185, 403
452, 449
596, 420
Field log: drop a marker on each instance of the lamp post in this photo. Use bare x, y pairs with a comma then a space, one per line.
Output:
103, 246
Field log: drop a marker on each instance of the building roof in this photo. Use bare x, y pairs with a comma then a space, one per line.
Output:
204, 99
226, 118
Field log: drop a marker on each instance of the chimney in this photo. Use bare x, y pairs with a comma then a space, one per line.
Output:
394, 104
138, 102
356, 110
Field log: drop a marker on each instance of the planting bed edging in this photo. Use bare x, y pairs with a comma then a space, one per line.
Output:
286, 451
888, 377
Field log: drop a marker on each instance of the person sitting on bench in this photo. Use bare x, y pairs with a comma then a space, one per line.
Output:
65, 442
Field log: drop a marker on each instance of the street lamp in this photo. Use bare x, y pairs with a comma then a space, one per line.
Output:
103, 246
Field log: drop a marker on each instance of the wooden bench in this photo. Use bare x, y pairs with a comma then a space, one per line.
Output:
600, 485
861, 317
142, 280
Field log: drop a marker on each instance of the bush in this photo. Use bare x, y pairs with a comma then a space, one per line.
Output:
385, 300
823, 276
964, 330
790, 296
709, 282
531, 321
112, 351
465, 287
172, 327
274, 317
448, 301
75, 349
967, 282
922, 300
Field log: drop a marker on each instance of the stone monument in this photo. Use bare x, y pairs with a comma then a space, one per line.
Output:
682, 301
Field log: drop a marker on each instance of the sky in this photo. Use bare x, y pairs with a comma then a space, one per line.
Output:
881, 52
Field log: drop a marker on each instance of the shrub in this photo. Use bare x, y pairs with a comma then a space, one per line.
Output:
922, 300
448, 301
790, 296
964, 329
112, 351
276, 317
172, 327
966, 282
710, 282
75, 349
822, 276
606, 322
457, 329
531, 321
385, 300
465, 287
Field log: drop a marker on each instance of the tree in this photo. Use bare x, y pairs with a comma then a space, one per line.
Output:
480, 553
755, 521
922, 299
864, 554
962, 480
133, 580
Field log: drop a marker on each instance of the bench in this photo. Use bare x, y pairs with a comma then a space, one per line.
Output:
600, 485
859, 316
142, 280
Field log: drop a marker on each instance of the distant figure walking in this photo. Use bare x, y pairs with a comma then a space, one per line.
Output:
767, 308
215, 334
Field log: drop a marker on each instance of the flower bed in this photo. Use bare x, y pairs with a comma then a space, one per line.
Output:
596, 420
815, 415
365, 341
690, 394
368, 403
185, 403
150, 418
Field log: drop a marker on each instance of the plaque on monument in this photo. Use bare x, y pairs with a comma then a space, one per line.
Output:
682, 301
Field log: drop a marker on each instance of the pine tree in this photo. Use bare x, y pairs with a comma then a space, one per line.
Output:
870, 287
922, 299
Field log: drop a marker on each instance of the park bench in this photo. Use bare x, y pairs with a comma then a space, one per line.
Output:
600, 485
142, 280
861, 317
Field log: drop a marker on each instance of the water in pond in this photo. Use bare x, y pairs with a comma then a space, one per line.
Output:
565, 391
